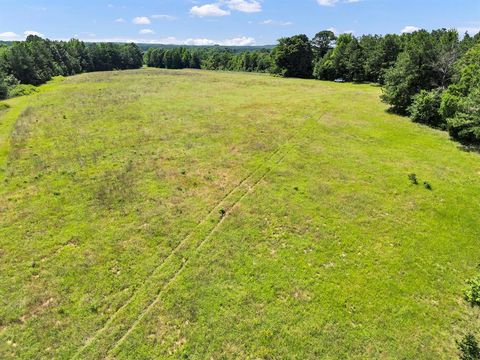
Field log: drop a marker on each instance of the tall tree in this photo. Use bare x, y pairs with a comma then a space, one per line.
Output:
293, 57
322, 43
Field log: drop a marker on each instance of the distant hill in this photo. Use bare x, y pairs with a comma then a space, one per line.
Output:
233, 48
145, 47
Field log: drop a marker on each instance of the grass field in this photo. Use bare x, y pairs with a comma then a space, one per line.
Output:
191, 214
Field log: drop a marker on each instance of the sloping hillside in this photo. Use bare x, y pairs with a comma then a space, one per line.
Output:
192, 214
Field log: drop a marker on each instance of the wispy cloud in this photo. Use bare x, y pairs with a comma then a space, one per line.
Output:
275, 22
332, 3
409, 29
209, 10
251, 6
31, 32
141, 20
10, 36
163, 17
237, 41
225, 8
146, 32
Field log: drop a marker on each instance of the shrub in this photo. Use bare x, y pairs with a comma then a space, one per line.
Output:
399, 87
450, 102
425, 108
469, 349
427, 185
465, 124
22, 90
324, 68
11, 80
472, 293
413, 179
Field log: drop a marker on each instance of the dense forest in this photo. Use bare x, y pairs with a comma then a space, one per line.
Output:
36, 60
433, 77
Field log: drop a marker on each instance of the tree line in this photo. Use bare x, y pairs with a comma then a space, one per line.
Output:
36, 60
433, 77
209, 59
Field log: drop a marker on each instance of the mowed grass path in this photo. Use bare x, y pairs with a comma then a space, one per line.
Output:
191, 214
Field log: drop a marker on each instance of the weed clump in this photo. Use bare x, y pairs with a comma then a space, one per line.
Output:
222, 212
427, 185
472, 293
413, 179
469, 348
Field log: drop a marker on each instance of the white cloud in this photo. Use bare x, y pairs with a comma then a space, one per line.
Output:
146, 32
31, 32
335, 2
274, 22
224, 8
333, 30
409, 29
209, 10
247, 6
171, 40
120, 20
240, 41
199, 42
141, 20
471, 30
163, 17
10, 36
327, 2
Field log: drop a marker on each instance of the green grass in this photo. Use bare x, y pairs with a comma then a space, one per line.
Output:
191, 214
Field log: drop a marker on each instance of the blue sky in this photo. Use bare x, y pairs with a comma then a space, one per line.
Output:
228, 22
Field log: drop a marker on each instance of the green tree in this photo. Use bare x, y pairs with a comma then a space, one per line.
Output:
460, 104
355, 60
419, 67
425, 108
324, 68
322, 43
3, 88
293, 57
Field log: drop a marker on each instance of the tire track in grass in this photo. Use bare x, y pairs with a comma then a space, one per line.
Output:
124, 320
139, 319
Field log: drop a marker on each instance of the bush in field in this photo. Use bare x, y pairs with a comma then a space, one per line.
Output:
413, 179
469, 349
426, 108
472, 293
22, 90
